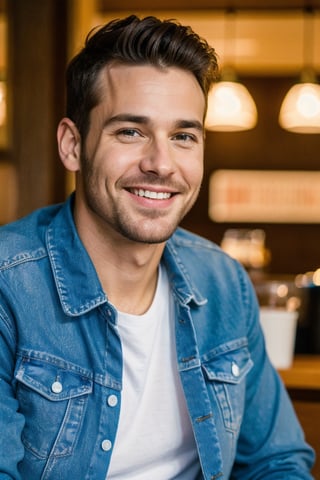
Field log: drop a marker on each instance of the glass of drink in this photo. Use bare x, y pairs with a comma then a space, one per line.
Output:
279, 310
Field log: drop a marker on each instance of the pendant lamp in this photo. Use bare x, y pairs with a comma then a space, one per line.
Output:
231, 108
300, 110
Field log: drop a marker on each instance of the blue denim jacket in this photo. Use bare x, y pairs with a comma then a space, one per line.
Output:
61, 365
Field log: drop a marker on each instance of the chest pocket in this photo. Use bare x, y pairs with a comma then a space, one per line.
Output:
226, 368
52, 397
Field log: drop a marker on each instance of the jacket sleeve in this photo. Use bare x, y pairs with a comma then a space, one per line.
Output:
11, 421
271, 443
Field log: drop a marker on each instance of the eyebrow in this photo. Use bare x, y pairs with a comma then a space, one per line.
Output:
190, 124
127, 117
142, 119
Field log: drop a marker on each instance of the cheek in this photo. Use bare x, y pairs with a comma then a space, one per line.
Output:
194, 173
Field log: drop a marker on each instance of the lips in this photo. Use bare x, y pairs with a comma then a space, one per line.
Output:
151, 194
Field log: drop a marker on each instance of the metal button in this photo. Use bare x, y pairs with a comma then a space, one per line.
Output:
235, 369
106, 445
56, 387
112, 400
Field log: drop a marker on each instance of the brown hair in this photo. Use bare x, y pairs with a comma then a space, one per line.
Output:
135, 41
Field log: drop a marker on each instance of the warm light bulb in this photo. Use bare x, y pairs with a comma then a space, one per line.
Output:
308, 105
227, 102
230, 108
300, 110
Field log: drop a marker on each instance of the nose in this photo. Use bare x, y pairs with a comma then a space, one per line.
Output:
158, 158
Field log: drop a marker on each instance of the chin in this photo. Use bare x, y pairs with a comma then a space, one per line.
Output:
150, 237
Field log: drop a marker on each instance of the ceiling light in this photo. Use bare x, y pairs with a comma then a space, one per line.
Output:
230, 108
230, 105
300, 109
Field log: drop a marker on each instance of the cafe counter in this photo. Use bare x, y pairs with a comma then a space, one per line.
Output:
302, 381
304, 374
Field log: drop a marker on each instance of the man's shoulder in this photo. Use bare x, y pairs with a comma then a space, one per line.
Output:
197, 251
204, 266
185, 239
25, 237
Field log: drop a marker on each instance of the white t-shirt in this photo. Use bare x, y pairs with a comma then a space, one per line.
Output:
154, 438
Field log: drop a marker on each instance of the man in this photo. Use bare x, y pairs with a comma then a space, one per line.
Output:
131, 349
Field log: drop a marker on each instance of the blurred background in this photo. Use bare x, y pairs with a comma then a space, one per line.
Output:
266, 45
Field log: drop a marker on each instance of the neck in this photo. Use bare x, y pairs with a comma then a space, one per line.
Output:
127, 270
129, 280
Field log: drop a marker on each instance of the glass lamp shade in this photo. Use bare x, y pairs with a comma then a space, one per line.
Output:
300, 110
230, 108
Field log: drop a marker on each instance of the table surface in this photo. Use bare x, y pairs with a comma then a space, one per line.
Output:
304, 373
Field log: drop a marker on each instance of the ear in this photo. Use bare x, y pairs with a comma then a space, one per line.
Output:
69, 144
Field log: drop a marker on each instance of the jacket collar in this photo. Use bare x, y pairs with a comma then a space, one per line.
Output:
180, 273
77, 282
76, 279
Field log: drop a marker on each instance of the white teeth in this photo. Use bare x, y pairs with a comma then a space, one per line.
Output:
153, 195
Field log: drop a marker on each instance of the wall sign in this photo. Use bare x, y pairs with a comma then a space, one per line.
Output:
266, 196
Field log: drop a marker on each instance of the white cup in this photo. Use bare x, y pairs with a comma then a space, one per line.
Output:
279, 327
279, 304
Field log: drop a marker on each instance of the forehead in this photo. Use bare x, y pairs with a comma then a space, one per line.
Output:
126, 83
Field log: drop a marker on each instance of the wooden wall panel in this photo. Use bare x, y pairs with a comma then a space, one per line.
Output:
36, 68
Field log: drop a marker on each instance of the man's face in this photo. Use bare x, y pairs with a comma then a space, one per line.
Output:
142, 159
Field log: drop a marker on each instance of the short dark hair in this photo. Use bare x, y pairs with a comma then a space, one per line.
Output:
162, 43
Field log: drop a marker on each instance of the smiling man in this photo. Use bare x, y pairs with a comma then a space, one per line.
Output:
131, 349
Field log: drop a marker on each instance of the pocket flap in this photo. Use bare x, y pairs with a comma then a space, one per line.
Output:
51, 380
229, 362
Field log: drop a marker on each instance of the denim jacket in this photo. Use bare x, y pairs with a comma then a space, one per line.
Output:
61, 365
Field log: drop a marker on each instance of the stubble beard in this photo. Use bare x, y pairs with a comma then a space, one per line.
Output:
136, 232
121, 222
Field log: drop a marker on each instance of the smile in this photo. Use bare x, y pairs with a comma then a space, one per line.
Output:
149, 194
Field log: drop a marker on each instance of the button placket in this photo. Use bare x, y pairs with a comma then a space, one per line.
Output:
106, 445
